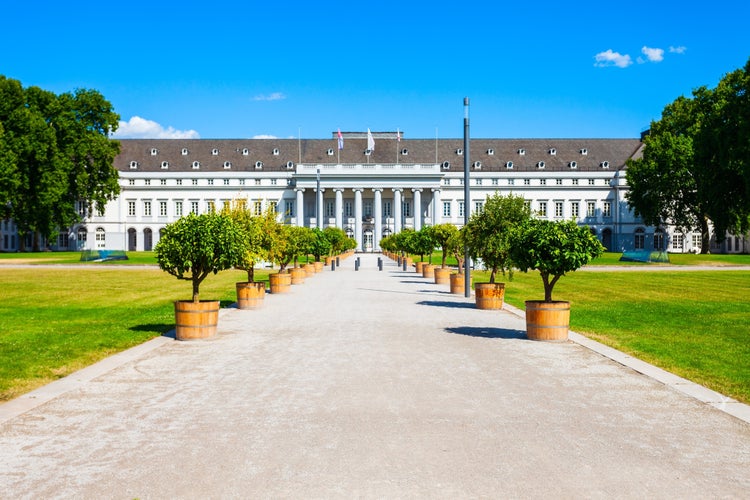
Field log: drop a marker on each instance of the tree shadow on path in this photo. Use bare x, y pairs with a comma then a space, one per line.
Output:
488, 333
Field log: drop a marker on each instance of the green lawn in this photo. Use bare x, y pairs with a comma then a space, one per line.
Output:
692, 323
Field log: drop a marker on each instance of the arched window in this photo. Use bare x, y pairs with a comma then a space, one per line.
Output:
101, 238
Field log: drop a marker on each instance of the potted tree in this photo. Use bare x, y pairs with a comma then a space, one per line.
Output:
192, 248
278, 239
422, 243
442, 235
455, 245
488, 238
319, 247
258, 230
298, 239
553, 248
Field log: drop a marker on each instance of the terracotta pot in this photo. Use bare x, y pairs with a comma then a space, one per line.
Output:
547, 320
250, 295
458, 284
489, 295
196, 320
442, 275
428, 271
280, 282
298, 275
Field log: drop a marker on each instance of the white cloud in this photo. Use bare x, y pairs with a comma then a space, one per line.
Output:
677, 50
610, 58
264, 136
275, 96
653, 55
140, 128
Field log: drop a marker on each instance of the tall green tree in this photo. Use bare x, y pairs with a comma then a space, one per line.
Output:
55, 152
695, 168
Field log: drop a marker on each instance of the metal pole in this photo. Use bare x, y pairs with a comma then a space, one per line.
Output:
467, 198
317, 203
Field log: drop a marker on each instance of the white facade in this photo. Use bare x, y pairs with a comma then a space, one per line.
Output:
371, 193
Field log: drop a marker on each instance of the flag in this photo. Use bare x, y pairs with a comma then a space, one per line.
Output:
370, 141
398, 135
341, 140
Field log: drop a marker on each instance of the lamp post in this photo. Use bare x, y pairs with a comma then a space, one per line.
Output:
467, 201
318, 208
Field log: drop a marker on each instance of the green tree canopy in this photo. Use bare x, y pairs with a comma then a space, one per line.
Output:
442, 234
488, 232
55, 151
695, 167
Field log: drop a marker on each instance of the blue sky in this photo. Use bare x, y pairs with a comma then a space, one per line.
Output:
242, 69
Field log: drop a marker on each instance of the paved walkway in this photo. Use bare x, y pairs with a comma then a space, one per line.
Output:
369, 384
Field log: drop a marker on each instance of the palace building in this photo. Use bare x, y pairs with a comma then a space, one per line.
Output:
369, 189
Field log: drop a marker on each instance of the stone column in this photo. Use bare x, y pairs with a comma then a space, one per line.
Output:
437, 216
378, 215
339, 208
396, 210
358, 218
417, 209
301, 207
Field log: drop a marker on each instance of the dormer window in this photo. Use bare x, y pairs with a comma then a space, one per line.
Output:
478, 165
584, 152
154, 151
509, 164
446, 165
329, 152
184, 151
227, 165
245, 152
605, 164
521, 152
289, 165
552, 151
276, 151
540, 164
214, 152
491, 152
133, 165
165, 165
404, 152
368, 152
196, 164
459, 152
258, 165
573, 164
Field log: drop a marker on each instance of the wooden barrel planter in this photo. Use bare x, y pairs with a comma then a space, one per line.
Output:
298, 275
418, 266
250, 295
318, 265
458, 283
309, 270
547, 320
442, 275
489, 295
280, 282
409, 262
428, 271
195, 320
328, 261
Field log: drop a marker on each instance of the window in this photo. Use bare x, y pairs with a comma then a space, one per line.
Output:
210, 182
461, 211
179, 182
696, 241
226, 182
273, 181
347, 208
257, 182
214, 152
131, 182
330, 209
184, 151
162, 209
273, 205
367, 209
210, 206
527, 204
607, 209
101, 237
542, 212
226, 204
591, 182
387, 209
639, 239
478, 207
258, 207
495, 182
575, 182
178, 208
406, 208
574, 209
242, 182
479, 182
542, 182
446, 181
590, 209
558, 209
289, 208
147, 182
163, 182
527, 182
147, 208
194, 207
678, 241
659, 239
446, 209
511, 182
195, 182
131, 208
558, 182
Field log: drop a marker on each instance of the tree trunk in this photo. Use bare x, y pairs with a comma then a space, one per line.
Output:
705, 237
196, 286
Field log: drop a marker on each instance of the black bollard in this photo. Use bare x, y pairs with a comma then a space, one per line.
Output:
356, 265
333, 265
380, 264
337, 261
404, 264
